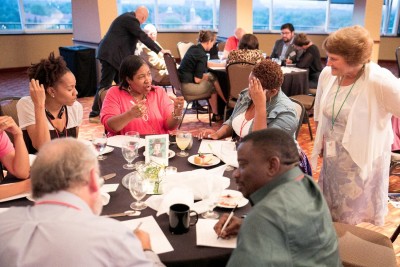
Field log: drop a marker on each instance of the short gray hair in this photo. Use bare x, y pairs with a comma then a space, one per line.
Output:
62, 164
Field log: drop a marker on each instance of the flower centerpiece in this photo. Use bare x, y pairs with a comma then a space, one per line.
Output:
153, 172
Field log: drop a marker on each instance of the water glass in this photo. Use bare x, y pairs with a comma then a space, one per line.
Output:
183, 140
220, 55
130, 153
138, 188
99, 141
212, 201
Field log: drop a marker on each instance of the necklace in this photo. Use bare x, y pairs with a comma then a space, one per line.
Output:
59, 115
245, 121
64, 132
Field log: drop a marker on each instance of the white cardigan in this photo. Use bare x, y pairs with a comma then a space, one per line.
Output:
368, 132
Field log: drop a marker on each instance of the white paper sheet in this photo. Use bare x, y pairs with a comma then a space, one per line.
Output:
109, 188
3, 209
118, 140
206, 236
159, 241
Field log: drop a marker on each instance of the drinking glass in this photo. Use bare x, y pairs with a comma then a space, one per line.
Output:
99, 140
130, 152
183, 140
212, 201
138, 188
220, 55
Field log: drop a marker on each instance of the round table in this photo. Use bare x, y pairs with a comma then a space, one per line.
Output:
186, 252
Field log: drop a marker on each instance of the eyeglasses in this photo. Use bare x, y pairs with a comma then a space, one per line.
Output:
286, 33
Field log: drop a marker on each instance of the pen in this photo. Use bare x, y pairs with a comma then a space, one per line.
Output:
137, 227
228, 220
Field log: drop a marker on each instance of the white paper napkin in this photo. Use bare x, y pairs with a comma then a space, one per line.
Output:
224, 150
175, 195
201, 182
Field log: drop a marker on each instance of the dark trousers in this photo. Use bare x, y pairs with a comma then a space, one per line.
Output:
108, 75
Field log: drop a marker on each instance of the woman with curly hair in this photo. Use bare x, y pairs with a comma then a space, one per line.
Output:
263, 105
51, 111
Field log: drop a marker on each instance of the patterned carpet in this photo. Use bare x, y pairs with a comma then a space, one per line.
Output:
15, 83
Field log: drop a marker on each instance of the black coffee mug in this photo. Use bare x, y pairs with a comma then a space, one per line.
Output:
179, 218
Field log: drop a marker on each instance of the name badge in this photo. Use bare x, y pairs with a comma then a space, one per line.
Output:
330, 149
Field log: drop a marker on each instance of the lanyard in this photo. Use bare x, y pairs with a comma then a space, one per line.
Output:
55, 202
334, 101
244, 122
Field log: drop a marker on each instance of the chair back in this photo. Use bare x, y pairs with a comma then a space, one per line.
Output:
362, 247
221, 46
183, 48
398, 59
172, 71
238, 77
8, 107
300, 111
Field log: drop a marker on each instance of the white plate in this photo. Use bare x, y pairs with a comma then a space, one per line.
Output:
107, 150
213, 162
171, 153
235, 197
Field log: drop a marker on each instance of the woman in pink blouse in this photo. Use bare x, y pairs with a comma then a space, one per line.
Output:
136, 105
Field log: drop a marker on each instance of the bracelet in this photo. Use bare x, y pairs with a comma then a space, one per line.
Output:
176, 117
148, 249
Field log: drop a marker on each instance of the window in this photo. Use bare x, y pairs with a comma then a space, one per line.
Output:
390, 17
182, 15
34, 16
311, 16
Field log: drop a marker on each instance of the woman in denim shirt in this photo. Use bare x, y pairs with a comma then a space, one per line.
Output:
262, 105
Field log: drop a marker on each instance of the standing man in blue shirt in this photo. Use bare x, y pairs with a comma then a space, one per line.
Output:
290, 223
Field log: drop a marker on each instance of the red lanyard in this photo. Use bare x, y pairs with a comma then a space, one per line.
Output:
55, 202
244, 122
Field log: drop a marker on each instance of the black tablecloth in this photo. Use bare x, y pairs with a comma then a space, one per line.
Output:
186, 252
295, 83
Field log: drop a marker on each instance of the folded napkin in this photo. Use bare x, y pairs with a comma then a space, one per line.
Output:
185, 187
161, 203
201, 182
224, 150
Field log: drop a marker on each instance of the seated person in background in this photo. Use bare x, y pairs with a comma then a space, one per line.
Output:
51, 111
262, 105
232, 43
396, 133
137, 105
290, 223
13, 158
193, 72
248, 51
310, 58
156, 62
283, 48
63, 227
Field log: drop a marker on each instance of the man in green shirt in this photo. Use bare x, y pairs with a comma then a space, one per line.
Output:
289, 224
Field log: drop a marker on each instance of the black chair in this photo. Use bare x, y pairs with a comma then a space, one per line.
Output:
176, 83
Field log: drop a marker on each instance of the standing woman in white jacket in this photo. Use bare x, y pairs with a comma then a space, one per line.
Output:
355, 101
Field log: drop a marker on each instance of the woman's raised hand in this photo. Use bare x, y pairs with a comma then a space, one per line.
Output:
8, 124
257, 92
37, 93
